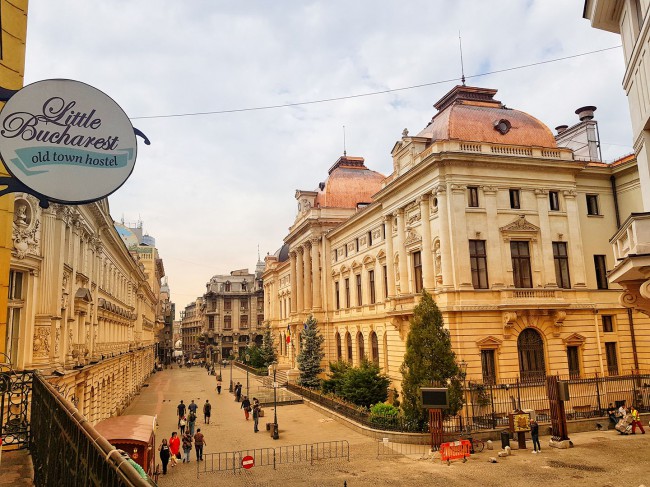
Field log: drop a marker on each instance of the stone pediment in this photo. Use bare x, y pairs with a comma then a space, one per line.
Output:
520, 225
574, 340
83, 294
488, 342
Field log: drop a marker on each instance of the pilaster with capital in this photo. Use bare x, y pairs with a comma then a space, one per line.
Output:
428, 277
459, 237
493, 244
576, 257
294, 280
390, 255
315, 273
448, 277
300, 274
401, 249
548, 277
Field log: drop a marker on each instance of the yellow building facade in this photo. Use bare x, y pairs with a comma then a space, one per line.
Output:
504, 227
13, 24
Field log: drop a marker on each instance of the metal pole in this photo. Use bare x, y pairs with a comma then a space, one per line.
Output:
230, 389
275, 406
467, 427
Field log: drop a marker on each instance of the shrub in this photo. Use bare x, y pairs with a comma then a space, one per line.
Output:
364, 385
384, 416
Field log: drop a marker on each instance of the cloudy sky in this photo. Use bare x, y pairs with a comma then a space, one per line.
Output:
213, 187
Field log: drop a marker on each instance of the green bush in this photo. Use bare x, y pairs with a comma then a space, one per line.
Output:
364, 385
384, 416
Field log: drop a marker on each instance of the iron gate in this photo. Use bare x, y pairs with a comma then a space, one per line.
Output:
15, 399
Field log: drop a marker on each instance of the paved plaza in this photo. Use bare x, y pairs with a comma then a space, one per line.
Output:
602, 459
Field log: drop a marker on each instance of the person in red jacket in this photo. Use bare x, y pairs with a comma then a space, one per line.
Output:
174, 448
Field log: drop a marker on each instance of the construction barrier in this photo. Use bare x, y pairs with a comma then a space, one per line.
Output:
455, 450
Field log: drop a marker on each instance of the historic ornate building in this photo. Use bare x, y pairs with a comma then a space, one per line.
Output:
192, 319
80, 304
631, 242
234, 312
506, 228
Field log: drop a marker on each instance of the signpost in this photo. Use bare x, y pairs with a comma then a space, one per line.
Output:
248, 462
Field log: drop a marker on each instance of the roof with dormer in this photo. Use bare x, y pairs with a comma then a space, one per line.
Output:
349, 184
472, 114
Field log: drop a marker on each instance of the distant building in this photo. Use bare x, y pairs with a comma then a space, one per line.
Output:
192, 326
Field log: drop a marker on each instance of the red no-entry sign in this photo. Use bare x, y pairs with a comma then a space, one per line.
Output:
248, 462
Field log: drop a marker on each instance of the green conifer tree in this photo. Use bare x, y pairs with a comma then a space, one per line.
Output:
311, 354
428, 361
267, 352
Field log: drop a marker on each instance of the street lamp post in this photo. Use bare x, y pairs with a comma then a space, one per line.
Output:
276, 434
463, 372
231, 359
248, 357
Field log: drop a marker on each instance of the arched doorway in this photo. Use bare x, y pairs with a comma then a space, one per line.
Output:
348, 344
338, 346
530, 347
360, 347
374, 346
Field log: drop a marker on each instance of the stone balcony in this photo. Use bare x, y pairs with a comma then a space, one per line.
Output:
631, 245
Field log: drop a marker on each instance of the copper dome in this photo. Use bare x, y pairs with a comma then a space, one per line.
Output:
349, 184
472, 114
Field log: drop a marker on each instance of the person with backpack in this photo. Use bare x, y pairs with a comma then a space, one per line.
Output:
207, 411
191, 423
256, 414
199, 443
187, 446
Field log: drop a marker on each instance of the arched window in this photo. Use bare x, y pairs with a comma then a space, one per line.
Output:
374, 345
360, 347
530, 347
338, 346
348, 344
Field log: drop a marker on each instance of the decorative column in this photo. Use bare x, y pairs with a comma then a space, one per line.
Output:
307, 265
549, 278
316, 275
459, 238
493, 244
576, 257
428, 277
294, 282
300, 286
446, 266
390, 255
401, 249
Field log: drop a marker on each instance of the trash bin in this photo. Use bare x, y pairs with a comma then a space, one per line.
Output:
505, 438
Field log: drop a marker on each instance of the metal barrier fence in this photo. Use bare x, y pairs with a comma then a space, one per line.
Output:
66, 450
389, 448
231, 461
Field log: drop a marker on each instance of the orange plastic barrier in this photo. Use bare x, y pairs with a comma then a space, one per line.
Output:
455, 450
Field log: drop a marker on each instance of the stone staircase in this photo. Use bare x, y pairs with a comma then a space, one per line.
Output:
280, 377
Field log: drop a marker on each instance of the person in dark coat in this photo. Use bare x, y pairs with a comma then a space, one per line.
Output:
165, 453
246, 406
256, 414
534, 433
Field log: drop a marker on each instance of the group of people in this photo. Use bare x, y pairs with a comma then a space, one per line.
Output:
253, 408
623, 419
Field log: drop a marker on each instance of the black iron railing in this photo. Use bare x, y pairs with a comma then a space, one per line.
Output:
15, 395
66, 450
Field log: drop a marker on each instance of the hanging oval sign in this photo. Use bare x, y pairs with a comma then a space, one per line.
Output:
67, 141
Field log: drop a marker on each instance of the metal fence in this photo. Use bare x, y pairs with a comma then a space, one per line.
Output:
15, 395
488, 405
231, 461
66, 450
387, 448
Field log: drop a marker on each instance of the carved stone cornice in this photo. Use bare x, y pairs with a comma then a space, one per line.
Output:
490, 190
541, 193
458, 188
570, 193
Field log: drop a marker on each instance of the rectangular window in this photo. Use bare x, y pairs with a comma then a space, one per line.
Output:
592, 204
478, 263
417, 271
574, 362
385, 282
337, 296
608, 325
514, 199
227, 304
260, 303
600, 265
472, 196
260, 319
371, 283
210, 322
612, 359
347, 292
561, 265
522, 276
244, 304
359, 294
357, 244
227, 322
488, 367
14, 309
370, 238
553, 201
243, 321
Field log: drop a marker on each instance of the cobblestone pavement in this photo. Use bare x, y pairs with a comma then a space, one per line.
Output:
599, 459
16, 468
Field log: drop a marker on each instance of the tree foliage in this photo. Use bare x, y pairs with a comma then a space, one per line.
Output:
429, 360
311, 354
334, 383
267, 351
365, 385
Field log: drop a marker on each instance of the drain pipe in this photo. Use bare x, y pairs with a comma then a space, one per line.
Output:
635, 356
612, 180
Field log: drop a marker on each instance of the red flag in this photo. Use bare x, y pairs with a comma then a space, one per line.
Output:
288, 338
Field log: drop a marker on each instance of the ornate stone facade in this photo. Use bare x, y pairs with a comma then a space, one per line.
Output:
505, 229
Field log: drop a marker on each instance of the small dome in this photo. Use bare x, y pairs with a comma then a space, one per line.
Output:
349, 183
282, 254
471, 114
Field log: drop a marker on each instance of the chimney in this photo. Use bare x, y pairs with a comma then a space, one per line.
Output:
585, 113
561, 128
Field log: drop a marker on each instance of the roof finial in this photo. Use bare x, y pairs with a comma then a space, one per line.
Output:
462, 68
258, 253
345, 153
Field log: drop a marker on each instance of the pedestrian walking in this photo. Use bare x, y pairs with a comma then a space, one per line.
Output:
187, 446
636, 421
175, 448
180, 411
199, 443
164, 455
246, 406
256, 414
238, 392
193, 407
612, 413
182, 423
534, 433
191, 423
218, 384
207, 411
